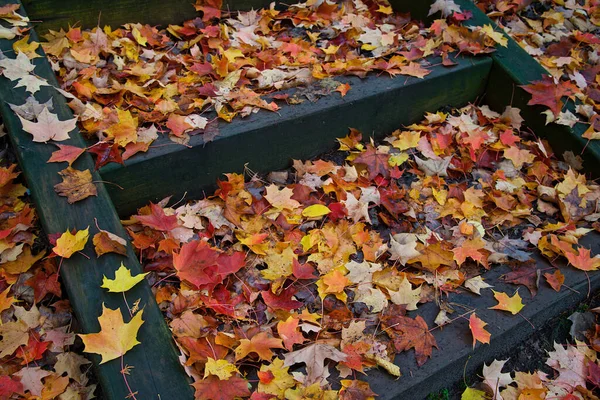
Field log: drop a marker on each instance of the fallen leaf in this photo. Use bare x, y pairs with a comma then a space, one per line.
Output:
76, 185
506, 303
116, 337
123, 280
68, 244
478, 331
313, 356
48, 127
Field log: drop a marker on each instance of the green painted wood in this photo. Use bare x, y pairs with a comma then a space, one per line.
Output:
513, 67
157, 373
376, 105
56, 14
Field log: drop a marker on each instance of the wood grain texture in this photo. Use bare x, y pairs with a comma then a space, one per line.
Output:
513, 67
157, 372
56, 14
266, 141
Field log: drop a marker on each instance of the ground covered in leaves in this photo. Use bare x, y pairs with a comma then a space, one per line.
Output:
39, 358
331, 261
564, 36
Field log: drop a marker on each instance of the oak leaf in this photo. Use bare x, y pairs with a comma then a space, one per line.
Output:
76, 185
48, 127
116, 337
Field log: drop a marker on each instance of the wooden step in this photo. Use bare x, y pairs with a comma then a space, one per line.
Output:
268, 141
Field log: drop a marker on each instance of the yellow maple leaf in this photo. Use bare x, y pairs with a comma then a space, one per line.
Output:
497, 37
407, 140
274, 378
506, 303
123, 280
125, 131
68, 244
116, 337
222, 369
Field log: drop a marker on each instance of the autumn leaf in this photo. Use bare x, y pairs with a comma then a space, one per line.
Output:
506, 303
66, 153
116, 337
123, 280
260, 344
582, 259
315, 211
281, 199
157, 219
107, 242
407, 333
20, 69
548, 93
213, 388
478, 331
555, 280
313, 356
222, 369
414, 69
290, 334
6, 301
106, 153
375, 162
68, 244
14, 335
48, 127
76, 185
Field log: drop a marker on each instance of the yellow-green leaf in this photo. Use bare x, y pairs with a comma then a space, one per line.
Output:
123, 280
315, 211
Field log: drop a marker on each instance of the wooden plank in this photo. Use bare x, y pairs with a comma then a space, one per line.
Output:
376, 105
56, 14
157, 372
513, 67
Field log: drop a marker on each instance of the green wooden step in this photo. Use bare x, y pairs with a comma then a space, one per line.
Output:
268, 141
157, 370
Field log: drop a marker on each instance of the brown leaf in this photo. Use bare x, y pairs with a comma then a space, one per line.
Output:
76, 185
410, 333
106, 242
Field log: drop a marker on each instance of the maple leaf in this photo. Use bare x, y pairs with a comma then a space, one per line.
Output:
71, 363
68, 244
414, 69
555, 280
403, 247
282, 301
106, 153
213, 388
446, 7
6, 301
524, 274
519, 156
494, 377
31, 108
406, 295
66, 153
376, 163
506, 303
125, 131
222, 369
9, 386
43, 283
261, 344
76, 185
116, 337
478, 331
157, 219
274, 378
473, 394
570, 364
14, 335
289, 333
123, 280
31, 379
48, 127
476, 284
313, 356
410, 333
281, 199
315, 211
20, 69
107, 242
434, 167
582, 259
355, 390
548, 93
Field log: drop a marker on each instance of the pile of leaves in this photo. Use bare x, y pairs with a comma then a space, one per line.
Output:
38, 357
574, 372
324, 262
564, 37
127, 84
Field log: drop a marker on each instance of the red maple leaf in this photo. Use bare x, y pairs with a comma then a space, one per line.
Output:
213, 388
524, 274
410, 333
196, 263
376, 163
157, 219
106, 153
9, 386
44, 281
283, 300
548, 93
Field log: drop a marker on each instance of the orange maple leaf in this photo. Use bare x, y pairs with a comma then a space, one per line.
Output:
477, 327
582, 260
261, 344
